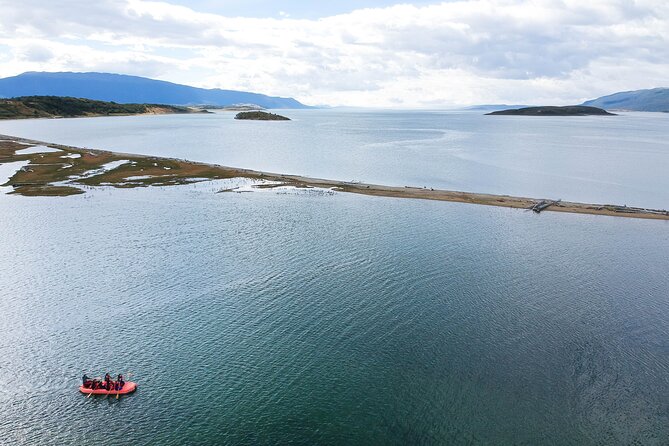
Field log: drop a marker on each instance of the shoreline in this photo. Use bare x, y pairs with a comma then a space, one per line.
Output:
100, 115
60, 173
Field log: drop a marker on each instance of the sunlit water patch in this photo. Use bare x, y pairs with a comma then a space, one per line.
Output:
7, 171
36, 149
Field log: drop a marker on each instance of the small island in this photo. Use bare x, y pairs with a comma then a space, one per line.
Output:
569, 110
26, 107
260, 116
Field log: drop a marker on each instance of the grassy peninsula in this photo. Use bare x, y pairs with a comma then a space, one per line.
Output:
65, 107
59, 170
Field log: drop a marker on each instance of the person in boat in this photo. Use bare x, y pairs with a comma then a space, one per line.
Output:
119, 381
108, 379
87, 382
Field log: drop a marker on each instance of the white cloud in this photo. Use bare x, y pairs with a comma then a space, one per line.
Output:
458, 52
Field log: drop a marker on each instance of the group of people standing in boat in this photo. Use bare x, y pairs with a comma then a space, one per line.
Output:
107, 384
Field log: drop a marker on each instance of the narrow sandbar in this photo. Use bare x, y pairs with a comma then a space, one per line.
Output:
63, 173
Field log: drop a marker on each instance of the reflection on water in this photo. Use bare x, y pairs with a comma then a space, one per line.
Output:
262, 318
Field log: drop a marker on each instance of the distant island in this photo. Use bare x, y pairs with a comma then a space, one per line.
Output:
493, 107
260, 116
652, 100
65, 107
242, 107
569, 110
131, 90
233, 107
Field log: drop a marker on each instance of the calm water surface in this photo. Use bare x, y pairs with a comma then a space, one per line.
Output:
594, 159
264, 318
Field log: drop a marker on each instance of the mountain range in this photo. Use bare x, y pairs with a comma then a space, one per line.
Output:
653, 100
126, 89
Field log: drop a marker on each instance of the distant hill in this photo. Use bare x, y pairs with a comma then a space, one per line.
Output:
569, 110
655, 100
493, 107
130, 89
64, 107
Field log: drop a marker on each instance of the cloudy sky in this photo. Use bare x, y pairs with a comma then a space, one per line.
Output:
378, 53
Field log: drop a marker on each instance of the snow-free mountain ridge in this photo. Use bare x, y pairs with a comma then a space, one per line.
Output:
126, 89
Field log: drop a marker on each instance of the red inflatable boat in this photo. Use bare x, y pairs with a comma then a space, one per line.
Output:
128, 387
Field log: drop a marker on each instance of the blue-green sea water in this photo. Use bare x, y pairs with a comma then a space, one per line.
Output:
266, 318
308, 318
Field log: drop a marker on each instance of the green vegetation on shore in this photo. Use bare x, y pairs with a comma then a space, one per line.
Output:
55, 106
65, 170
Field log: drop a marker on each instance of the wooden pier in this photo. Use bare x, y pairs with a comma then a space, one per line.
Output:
543, 204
